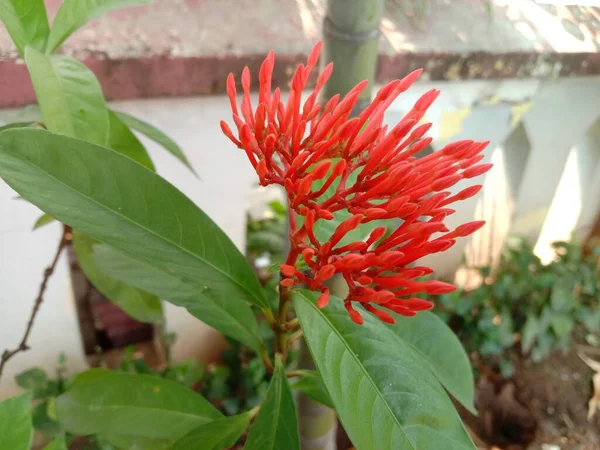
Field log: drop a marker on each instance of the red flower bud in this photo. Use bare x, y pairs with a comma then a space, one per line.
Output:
476, 170
323, 299
288, 271
354, 315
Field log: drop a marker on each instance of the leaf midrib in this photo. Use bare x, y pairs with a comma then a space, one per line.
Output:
366, 374
112, 211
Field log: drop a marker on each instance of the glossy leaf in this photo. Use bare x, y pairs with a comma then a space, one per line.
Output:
69, 95
232, 318
140, 305
156, 135
311, 384
16, 430
73, 14
105, 402
58, 443
276, 426
371, 373
26, 22
441, 350
122, 140
217, 435
43, 220
119, 202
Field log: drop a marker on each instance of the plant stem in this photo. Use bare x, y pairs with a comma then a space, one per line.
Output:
23, 345
293, 324
295, 336
266, 360
281, 334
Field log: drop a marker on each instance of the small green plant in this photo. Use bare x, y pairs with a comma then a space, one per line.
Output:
528, 304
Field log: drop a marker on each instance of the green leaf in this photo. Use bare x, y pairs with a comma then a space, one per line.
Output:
69, 95
42, 420
156, 135
59, 443
16, 430
217, 435
562, 298
140, 305
26, 22
134, 443
43, 220
8, 126
122, 140
117, 201
73, 14
32, 379
441, 351
276, 426
230, 316
530, 331
311, 384
562, 324
130, 405
384, 394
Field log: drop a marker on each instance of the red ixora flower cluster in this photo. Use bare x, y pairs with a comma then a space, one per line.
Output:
308, 149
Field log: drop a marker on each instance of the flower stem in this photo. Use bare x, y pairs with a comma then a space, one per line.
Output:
281, 336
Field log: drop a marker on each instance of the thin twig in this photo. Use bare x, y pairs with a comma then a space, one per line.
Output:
23, 346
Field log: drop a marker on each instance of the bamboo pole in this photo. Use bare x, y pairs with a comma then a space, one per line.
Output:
351, 42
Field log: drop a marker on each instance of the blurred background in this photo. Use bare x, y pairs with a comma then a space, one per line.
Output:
523, 74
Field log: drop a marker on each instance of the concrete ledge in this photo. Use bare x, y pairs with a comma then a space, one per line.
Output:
187, 47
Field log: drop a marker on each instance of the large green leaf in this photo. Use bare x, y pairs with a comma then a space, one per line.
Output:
439, 348
311, 384
122, 140
216, 435
69, 95
156, 135
73, 14
16, 430
276, 426
26, 22
384, 394
117, 201
140, 305
116, 403
232, 318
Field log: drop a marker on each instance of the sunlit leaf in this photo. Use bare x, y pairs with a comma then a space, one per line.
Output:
26, 22
69, 95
